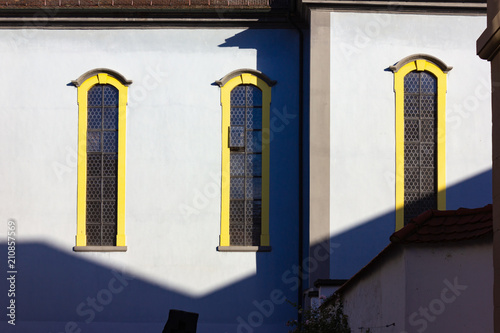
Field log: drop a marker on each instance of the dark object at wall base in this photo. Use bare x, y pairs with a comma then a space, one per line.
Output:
181, 322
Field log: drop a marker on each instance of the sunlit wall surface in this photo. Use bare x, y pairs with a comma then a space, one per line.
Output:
173, 179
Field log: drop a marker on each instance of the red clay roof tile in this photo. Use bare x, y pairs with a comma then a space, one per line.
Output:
434, 226
446, 226
88, 4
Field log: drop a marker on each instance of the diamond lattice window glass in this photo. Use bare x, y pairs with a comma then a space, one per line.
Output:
102, 165
420, 142
245, 142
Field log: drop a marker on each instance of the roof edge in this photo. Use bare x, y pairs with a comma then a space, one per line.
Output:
420, 221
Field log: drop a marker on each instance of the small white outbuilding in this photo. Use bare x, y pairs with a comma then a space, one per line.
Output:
436, 275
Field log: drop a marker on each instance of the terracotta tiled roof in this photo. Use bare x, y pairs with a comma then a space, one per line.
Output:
446, 226
175, 4
433, 226
88, 4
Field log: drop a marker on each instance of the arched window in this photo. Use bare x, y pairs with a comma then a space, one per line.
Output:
245, 99
420, 87
102, 100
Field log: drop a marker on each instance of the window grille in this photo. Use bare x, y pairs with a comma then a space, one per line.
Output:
245, 143
102, 165
420, 142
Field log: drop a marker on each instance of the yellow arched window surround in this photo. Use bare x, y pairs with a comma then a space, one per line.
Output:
434, 66
237, 81
118, 84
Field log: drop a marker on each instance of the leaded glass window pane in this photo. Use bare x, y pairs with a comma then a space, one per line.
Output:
420, 142
245, 143
102, 165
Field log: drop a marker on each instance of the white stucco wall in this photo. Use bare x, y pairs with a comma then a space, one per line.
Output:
449, 288
362, 171
173, 138
431, 289
375, 301
173, 163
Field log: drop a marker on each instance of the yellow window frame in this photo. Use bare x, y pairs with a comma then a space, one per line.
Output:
227, 84
439, 70
84, 84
